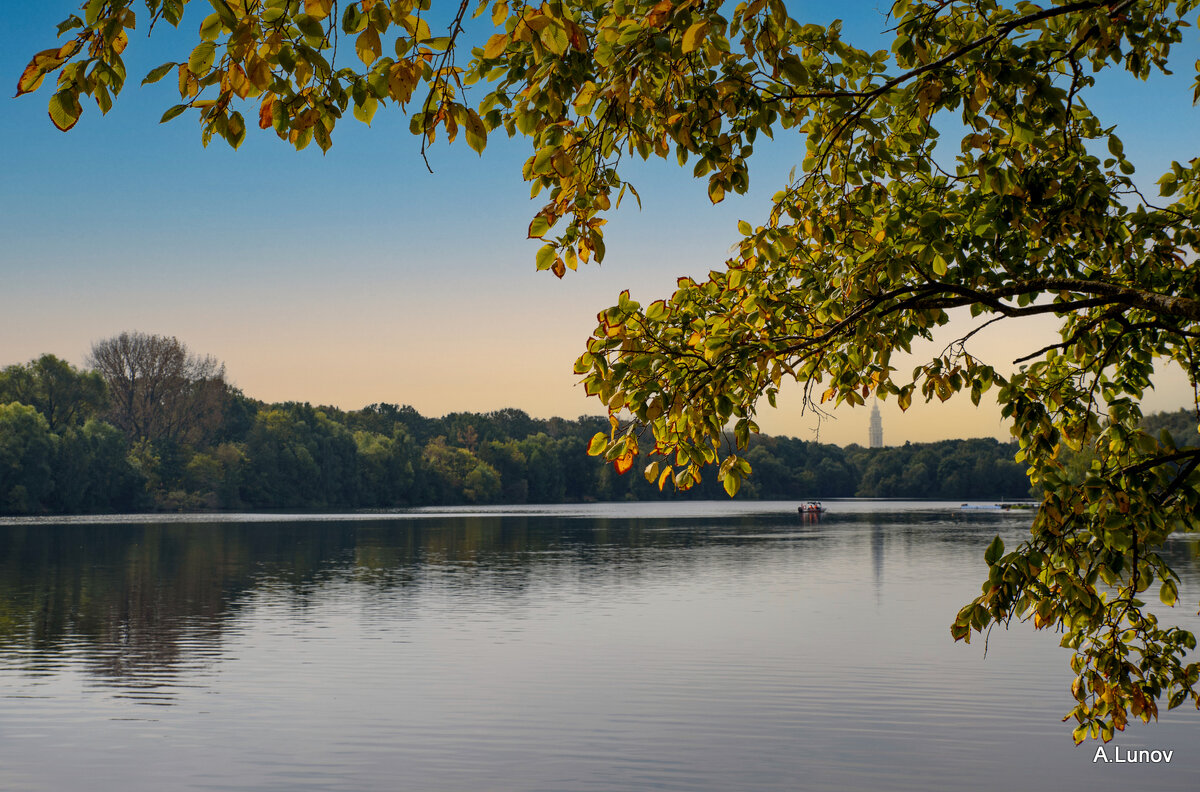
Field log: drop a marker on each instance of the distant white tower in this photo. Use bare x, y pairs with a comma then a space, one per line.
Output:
876, 433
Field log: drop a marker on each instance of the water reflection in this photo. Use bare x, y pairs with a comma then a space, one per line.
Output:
523, 651
136, 600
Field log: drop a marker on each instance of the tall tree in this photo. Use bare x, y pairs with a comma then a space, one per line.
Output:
876, 235
159, 391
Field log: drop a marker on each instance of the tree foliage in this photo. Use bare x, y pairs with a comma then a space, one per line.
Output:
961, 168
63, 395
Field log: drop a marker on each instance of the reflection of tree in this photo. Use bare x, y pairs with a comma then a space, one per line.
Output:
131, 595
140, 602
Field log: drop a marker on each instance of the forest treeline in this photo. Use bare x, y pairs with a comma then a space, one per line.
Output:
149, 426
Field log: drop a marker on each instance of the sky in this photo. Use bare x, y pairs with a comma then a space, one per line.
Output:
357, 276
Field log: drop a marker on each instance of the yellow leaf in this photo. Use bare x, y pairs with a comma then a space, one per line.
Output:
597, 445
417, 28
555, 39
259, 73
495, 46
367, 45
499, 13
693, 37
318, 9
731, 483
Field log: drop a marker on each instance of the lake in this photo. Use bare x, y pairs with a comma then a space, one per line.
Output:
653, 646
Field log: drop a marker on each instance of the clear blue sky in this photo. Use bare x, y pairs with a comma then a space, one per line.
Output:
356, 276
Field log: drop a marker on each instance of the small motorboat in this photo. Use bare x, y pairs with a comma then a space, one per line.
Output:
812, 507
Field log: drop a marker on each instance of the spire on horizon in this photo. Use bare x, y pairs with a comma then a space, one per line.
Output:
875, 434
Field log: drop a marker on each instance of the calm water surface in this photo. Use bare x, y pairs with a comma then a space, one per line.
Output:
610, 647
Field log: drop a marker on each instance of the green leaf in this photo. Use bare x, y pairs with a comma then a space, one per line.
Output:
1169, 592
475, 130
994, 551
310, 27
201, 59
172, 113
158, 73
64, 110
539, 227
598, 444
225, 13
91, 12
366, 110
210, 28
546, 256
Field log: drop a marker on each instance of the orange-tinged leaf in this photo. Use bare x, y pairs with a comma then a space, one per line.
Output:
402, 79
265, 118
120, 42
235, 80
68, 49
559, 269
30, 80
259, 73
624, 463
42, 63
663, 476
189, 86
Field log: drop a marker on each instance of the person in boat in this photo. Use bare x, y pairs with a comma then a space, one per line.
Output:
812, 507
